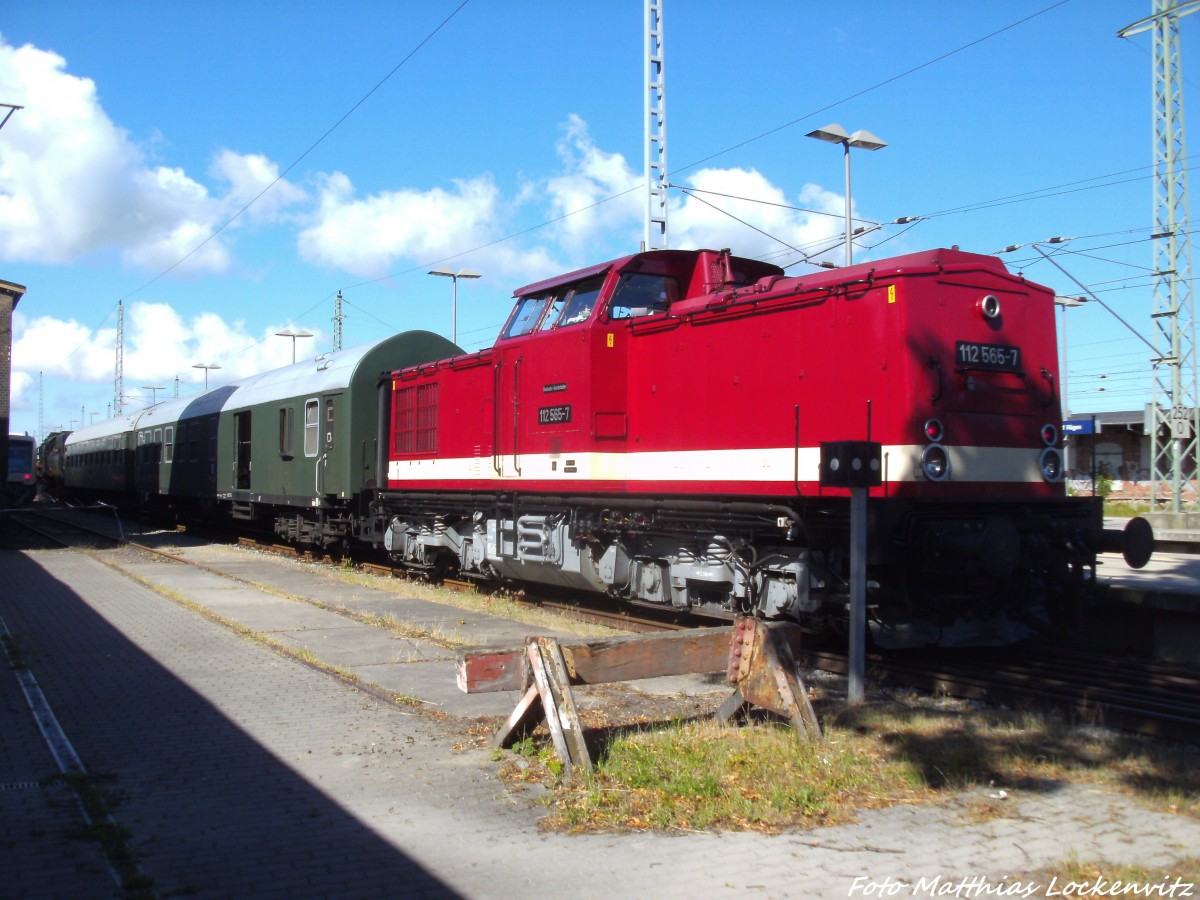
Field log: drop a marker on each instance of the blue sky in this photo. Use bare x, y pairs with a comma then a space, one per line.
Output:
148, 125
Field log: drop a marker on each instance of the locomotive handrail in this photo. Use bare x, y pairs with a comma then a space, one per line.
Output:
1049, 376
497, 466
936, 365
517, 413
796, 454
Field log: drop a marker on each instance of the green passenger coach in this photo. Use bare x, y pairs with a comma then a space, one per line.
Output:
305, 437
295, 449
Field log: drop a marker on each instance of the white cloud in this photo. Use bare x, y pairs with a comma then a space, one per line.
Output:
72, 183
366, 236
591, 176
160, 345
696, 223
248, 175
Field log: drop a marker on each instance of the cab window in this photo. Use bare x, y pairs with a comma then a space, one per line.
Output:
642, 294
550, 319
582, 301
525, 316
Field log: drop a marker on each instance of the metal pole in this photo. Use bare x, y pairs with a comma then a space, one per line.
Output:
454, 310
849, 231
856, 690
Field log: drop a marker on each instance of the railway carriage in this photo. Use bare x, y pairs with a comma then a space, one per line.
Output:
97, 460
292, 449
299, 445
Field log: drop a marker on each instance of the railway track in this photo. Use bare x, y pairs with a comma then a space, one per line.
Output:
29, 529
1136, 695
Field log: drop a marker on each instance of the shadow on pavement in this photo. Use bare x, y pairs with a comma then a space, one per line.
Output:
209, 810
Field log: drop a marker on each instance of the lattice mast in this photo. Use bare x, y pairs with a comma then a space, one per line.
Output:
1174, 419
337, 322
119, 376
656, 132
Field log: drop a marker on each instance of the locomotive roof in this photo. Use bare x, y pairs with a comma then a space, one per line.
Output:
932, 260
672, 260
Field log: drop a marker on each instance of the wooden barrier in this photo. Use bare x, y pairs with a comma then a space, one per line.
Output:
756, 657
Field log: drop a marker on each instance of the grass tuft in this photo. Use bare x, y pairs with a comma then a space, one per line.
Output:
698, 775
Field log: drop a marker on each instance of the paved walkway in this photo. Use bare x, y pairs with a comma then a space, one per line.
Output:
239, 772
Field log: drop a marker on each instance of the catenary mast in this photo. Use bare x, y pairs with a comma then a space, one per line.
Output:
1173, 420
119, 377
656, 132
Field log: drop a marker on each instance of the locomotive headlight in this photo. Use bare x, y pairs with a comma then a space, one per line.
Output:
934, 431
990, 306
935, 463
1051, 463
1049, 435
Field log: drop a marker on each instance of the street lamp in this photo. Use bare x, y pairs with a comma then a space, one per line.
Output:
287, 332
1065, 303
206, 367
153, 389
836, 134
446, 273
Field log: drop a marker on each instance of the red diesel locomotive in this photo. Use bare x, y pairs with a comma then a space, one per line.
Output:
650, 428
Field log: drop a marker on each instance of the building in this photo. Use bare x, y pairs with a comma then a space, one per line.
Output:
1114, 445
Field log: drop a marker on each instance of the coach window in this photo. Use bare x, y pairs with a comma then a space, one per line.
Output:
641, 294
312, 427
287, 431
169, 444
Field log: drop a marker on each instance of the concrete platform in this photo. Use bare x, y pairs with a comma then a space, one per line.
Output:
241, 772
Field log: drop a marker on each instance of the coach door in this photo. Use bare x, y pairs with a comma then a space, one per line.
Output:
331, 463
241, 450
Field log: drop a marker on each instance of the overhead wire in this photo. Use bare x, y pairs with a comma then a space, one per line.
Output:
313, 146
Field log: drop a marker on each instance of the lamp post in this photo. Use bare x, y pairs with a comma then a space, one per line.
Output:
206, 367
153, 389
287, 332
836, 134
1065, 303
446, 273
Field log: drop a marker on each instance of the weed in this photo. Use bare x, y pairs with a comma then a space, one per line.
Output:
698, 775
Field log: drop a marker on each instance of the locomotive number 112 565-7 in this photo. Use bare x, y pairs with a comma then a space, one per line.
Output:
972, 354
